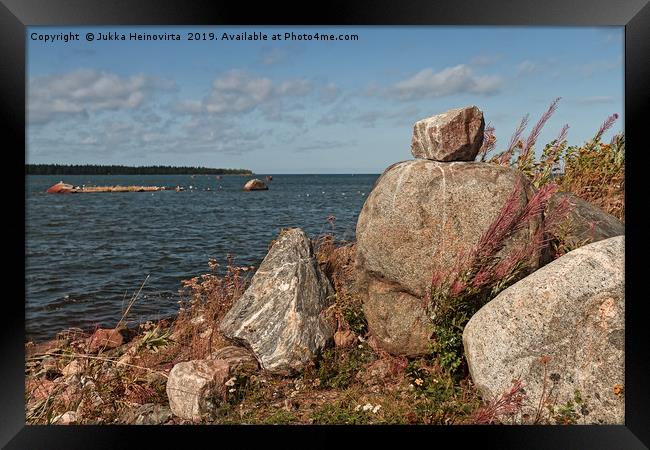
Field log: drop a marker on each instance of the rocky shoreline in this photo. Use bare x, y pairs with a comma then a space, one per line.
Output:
471, 286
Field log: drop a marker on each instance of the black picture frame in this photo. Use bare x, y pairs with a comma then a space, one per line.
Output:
15, 15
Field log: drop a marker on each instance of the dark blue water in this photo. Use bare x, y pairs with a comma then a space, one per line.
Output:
86, 254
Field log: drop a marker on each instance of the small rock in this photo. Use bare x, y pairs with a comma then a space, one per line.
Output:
126, 358
147, 414
71, 389
75, 367
456, 135
255, 185
344, 338
205, 334
379, 371
65, 419
38, 388
104, 339
195, 388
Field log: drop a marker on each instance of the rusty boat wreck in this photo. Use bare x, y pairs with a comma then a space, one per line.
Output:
64, 188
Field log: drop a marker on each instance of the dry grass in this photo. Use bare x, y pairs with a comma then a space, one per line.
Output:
594, 171
103, 387
205, 300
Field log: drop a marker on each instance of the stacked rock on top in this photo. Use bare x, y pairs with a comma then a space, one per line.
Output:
455, 135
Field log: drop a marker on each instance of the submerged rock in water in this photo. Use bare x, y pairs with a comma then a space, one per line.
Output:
280, 316
255, 185
455, 135
561, 331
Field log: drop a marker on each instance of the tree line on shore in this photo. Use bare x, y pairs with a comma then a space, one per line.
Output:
93, 169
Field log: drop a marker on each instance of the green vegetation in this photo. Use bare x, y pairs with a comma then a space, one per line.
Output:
92, 169
337, 368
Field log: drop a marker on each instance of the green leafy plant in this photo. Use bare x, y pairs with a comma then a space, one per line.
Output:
154, 340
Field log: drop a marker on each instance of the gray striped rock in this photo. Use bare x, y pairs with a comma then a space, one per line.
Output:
455, 135
239, 358
560, 330
280, 316
418, 218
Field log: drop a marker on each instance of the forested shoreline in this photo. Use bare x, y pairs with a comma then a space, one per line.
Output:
93, 169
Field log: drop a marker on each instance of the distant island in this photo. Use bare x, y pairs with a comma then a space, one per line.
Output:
93, 169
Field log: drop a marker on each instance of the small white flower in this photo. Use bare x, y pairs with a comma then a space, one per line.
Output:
360, 346
358, 407
231, 382
375, 409
367, 407
232, 390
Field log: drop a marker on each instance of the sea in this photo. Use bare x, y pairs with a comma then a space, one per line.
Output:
87, 255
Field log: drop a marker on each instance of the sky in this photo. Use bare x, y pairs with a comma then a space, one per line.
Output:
306, 106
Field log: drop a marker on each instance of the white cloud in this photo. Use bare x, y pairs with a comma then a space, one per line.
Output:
451, 80
188, 106
240, 92
294, 87
87, 90
527, 67
329, 92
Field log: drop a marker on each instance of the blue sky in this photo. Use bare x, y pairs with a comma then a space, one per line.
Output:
307, 106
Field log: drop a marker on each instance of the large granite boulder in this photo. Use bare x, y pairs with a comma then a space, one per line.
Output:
560, 330
281, 316
455, 135
585, 223
420, 216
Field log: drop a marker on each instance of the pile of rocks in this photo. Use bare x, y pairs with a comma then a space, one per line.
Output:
420, 216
